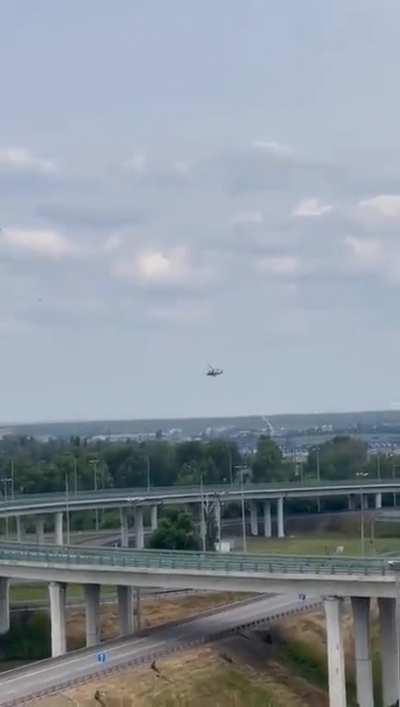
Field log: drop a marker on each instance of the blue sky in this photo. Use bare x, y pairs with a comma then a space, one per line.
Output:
184, 183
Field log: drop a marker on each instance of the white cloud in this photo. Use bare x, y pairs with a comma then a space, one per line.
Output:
311, 207
112, 243
136, 164
180, 313
279, 265
366, 252
386, 206
42, 243
163, 267
272, 147
248, 218
21, 160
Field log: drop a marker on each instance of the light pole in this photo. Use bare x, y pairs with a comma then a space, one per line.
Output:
202, 517
67, 507
243, 512
230, 464
148, 472
94, 463
12, 468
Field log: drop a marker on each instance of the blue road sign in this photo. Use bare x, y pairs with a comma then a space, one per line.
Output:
101, 657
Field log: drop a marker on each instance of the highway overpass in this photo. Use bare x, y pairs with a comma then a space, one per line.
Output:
132, 503
334, 579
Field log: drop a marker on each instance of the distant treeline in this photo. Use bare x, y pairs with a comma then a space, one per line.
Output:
31, 466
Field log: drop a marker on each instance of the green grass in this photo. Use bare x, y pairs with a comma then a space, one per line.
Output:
322, 544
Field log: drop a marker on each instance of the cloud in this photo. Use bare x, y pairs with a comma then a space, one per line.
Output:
279, 265
367, 253
137, 164
19, 159
169, 267
273, 148
248, 218
311, 207
41, 243
386, 206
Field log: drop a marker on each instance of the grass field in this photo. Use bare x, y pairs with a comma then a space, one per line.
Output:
322, 544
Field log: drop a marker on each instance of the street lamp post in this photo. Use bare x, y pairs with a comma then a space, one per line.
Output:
94, 463
202, 516
243, 512
67, 508
148, 471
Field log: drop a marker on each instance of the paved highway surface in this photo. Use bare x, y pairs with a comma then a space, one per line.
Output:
50, 675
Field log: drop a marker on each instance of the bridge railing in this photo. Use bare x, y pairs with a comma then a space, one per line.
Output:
179, 560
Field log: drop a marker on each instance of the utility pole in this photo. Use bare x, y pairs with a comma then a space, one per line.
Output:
148, 471
243, 512
202, 516
12, 478
362, 528
67, 508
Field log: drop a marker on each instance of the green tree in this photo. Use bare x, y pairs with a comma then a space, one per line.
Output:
267, 462
175, 532
342, 457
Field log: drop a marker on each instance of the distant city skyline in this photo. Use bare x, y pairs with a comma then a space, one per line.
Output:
193, 183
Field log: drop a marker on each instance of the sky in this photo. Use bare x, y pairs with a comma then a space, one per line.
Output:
184, 183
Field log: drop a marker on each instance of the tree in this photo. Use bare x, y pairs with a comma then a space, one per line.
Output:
175, 532
267, 462
342, 457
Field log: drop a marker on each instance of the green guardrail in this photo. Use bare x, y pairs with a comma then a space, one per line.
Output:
181, 560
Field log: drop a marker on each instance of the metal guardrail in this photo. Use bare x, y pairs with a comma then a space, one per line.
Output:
71, 556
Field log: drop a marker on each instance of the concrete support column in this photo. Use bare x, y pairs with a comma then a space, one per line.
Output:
39, 524
123, 514
57, 593
92, 599
58, 528
139, 533
19, 528
350, 503
126, 608
365, 690
253, 518
138, 610
217, 515
4, 605
336, 670
280, 518
267, 519
378, 500
389, 651
203, 524
154, 517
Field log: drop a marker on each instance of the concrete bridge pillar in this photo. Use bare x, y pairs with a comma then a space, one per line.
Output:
139, 532
378, 500
154, 518
365, 691
92, 599
19, 527
336, 669
389, 651
4, 605
280, 518
58, 528
39, 524
57, 594
126, 608
253, 518
267, 519
123, 514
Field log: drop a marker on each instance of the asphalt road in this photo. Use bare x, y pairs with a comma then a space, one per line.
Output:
54, 674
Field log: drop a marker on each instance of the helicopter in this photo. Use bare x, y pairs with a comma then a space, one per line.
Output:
214, 372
